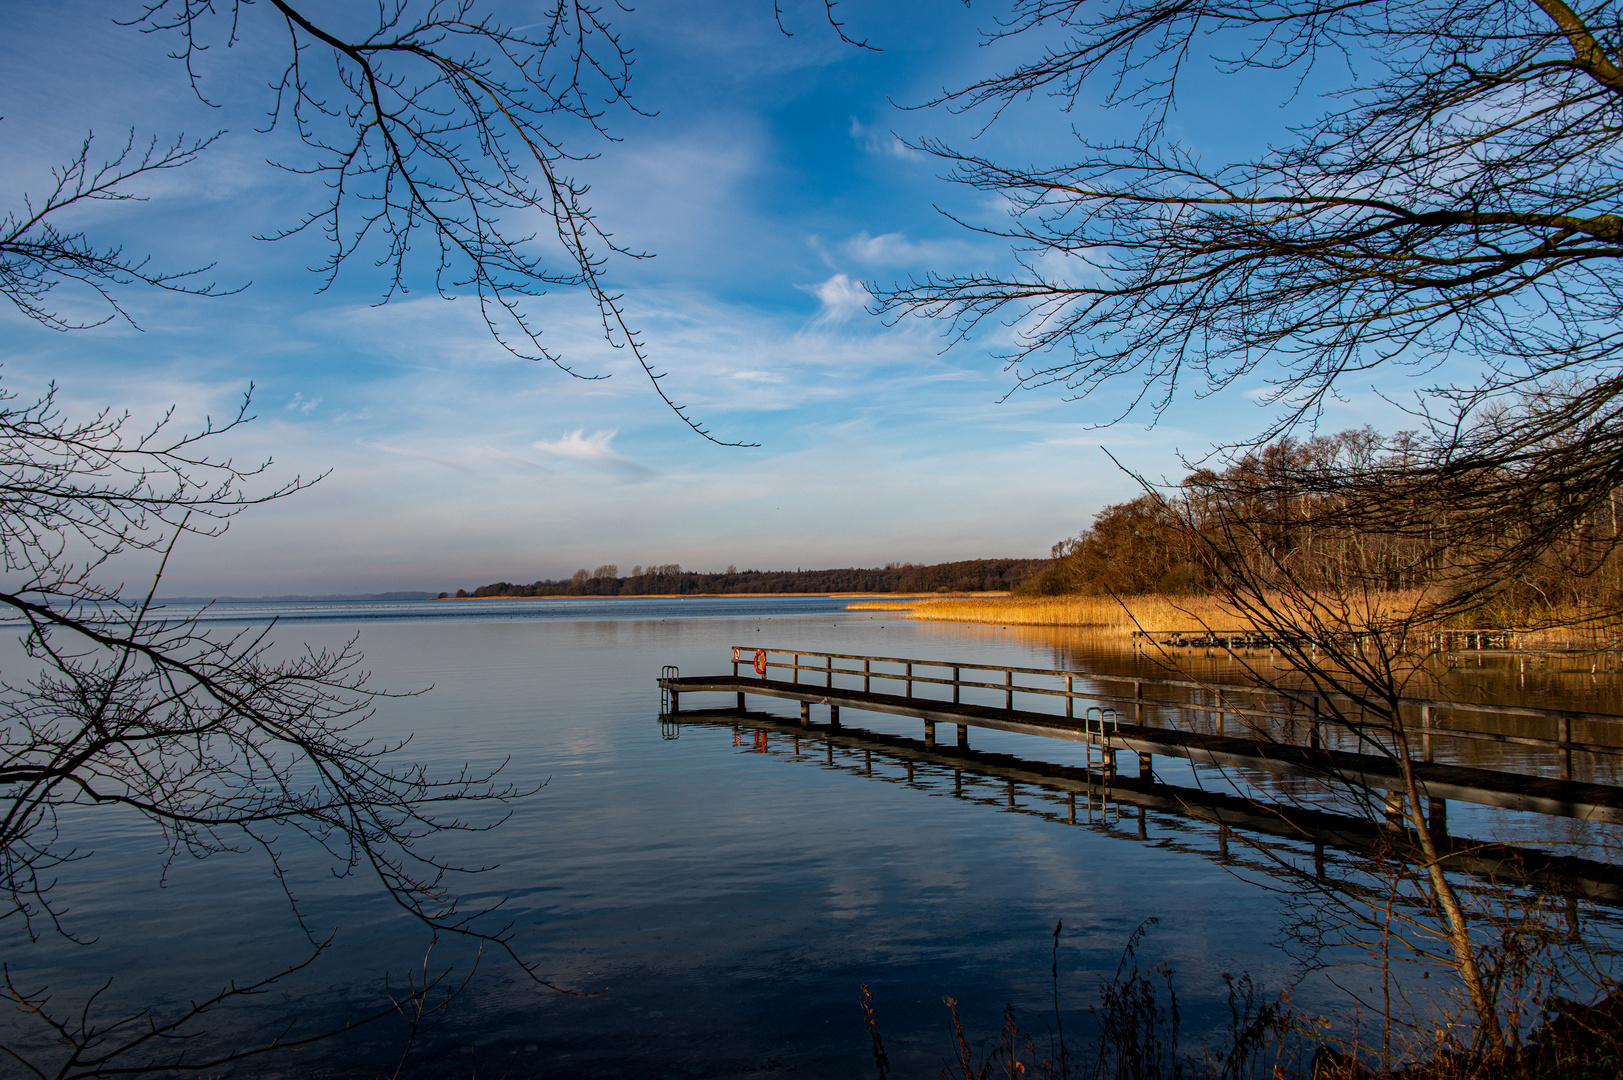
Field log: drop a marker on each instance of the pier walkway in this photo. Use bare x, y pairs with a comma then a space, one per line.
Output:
1288, 738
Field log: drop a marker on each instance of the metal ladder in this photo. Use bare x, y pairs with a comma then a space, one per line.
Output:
1100, 724
667, 672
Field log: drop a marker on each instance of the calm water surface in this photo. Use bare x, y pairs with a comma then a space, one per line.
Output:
724, 905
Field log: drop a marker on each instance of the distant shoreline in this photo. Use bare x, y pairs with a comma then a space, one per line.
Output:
381, 598
724, 596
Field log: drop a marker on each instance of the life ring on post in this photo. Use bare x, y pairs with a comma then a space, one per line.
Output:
760, 662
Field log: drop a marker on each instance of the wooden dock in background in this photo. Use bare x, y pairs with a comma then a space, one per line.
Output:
848, 682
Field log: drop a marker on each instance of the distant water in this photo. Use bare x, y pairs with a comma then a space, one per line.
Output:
727, 903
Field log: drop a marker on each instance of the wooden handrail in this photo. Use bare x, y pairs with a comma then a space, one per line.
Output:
1305, 697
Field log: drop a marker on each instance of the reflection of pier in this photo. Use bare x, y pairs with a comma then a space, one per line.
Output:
1268, 714
1081, 796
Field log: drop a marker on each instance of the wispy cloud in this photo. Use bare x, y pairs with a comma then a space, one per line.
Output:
596, 448
302, 404
417, 455
879, 141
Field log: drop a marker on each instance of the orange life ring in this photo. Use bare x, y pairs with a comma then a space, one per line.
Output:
760, 662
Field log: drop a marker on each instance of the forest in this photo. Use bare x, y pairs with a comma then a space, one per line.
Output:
1352, 511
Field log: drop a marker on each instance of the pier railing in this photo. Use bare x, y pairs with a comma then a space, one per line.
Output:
1254, 705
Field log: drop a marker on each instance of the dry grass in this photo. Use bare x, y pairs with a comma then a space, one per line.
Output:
1106, 616
1101, 613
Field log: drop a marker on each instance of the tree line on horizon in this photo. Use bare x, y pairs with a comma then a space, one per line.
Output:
970, 575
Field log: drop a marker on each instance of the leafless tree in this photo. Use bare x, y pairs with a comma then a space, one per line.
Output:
217, 743
1457, 199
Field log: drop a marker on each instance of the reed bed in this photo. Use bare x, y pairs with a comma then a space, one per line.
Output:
1107, 616
1101, 613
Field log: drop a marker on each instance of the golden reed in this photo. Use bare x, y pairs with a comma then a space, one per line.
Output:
1109, 616
1102, 613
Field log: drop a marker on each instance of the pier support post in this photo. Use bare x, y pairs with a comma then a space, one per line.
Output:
805, 714
833, 716
963, 736
1437, 818
741, 701
1565, 735
1393, 809
1070, 808
676, 702
929, 733
1138, 704
1146, 769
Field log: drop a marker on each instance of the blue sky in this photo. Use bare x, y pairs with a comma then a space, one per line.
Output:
768, 186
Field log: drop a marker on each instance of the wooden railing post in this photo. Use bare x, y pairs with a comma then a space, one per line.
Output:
829, 666
956, 675
1138, 703
867, 673
797, 667
1425, 732
910, 678
1070, 702
1008, 694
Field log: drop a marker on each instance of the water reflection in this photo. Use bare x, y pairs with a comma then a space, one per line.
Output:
1194, 820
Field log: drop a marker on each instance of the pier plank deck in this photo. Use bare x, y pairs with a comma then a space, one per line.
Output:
1513, 791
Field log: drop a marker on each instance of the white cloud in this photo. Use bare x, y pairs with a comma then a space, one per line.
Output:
302, 404
841, 298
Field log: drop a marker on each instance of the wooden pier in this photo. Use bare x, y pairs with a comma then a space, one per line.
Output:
939, 692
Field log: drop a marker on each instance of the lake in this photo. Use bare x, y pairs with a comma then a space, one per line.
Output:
721, 904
